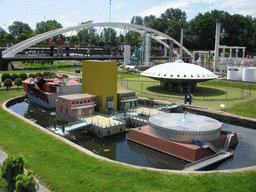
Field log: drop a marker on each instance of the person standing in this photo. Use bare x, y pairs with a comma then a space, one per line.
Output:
67, 46
51, 43
60, 46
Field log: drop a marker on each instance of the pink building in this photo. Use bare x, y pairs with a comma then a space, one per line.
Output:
75, 105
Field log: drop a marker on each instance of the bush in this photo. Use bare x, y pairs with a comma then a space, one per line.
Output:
5, 76
18, 82
32, 75
14, 76
46, 73
11, 168
9, 36
52, 75
7, 83
23, 76
22, 36
25, 183
38, 74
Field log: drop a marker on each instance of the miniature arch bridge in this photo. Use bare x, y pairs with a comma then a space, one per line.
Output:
158, 36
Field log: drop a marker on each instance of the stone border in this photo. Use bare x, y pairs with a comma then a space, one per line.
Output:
252, 168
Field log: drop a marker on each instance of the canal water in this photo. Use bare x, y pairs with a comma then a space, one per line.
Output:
116, 147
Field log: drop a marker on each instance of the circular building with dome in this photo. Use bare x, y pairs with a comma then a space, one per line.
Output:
179, 75
184, 128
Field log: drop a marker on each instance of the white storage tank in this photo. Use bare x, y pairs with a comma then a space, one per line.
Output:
234, 73
249, 74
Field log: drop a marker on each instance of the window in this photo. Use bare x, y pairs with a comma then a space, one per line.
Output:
81, 102
66, 110
60, 108
77, 102
178, 75
85, 101
73, 102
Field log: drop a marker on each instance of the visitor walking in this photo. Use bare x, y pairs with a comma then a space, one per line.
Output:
67, 46
51, 43
60, 46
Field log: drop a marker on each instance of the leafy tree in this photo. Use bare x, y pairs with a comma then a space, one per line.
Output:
148, 20
19, 27
74, 38
7, 83
46, 73
138, 20
174, 15
25, 183
22, 36
32, 75
49, 25
9, 36
38, 74
14, 76
12, 166
120, 39
18, 82
2, 33
5, 76
23, 76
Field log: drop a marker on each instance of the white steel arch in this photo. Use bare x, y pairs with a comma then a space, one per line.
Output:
157, 35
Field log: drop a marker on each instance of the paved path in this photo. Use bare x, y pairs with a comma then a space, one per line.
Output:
3, 156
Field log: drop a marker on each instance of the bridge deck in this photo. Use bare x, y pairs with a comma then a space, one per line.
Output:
209, 161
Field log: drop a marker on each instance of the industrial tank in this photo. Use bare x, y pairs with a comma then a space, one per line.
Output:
234, 73
249, 74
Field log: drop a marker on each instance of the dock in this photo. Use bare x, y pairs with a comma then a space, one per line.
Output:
70, 127
205, 162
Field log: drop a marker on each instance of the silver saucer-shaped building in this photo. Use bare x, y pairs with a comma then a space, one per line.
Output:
179, 75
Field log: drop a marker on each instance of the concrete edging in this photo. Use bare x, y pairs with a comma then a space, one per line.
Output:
251, 168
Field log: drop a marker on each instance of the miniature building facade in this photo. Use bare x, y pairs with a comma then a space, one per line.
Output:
126, 99
75, 105
100, 78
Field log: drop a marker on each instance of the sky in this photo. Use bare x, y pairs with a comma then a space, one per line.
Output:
71, 13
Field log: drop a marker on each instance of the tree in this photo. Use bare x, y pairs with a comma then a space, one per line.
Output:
148, 20
138, 20
12, 166
23, 76
2, 33
18, 82
22, 36
8, 83
174, 15
9, 36
5, 76
74, 38
49, 25
25, 183
14, 76
120, 39
18, 27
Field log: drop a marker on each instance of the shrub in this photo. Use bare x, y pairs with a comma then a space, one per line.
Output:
14, 76
5, 76
38, 74
52, 75
9, 36
7, 83
22, 36
25, 183
18, 82
32, 75
12, 166
23, 76
46, 73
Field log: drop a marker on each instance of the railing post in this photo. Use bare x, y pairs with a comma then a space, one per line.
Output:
1, 61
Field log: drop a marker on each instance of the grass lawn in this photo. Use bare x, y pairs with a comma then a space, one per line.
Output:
64, 168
